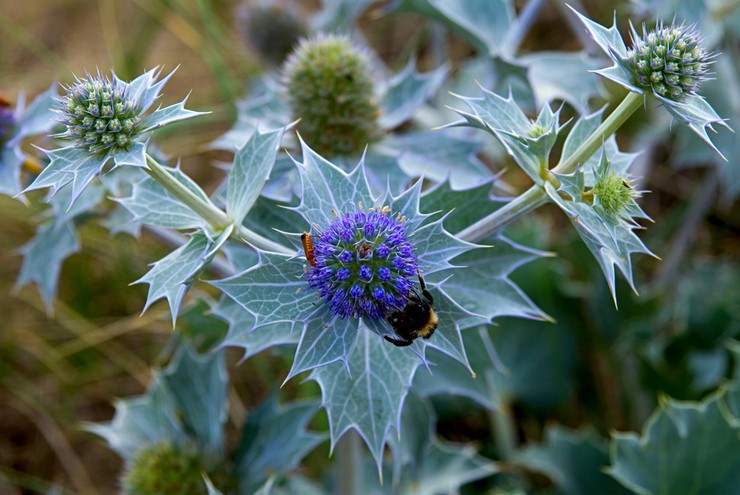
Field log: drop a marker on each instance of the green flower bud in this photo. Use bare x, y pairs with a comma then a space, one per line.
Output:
669, 61
93, 110
329, 88
167, 469
614, 193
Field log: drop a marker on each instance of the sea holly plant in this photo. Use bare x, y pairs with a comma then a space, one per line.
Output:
667, 64
369, 252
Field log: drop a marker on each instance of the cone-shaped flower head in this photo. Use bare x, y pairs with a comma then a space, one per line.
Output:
7, 122
669, 61
365, 264
614, 193
273, 30
99, 114
329, 88
167, 469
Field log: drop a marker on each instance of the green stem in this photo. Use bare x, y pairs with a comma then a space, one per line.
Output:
216, 218
535, 196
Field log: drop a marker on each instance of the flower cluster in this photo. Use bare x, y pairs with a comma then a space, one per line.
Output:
365, 264
7, 122
99, 115
329, 88
669, 61
273, 30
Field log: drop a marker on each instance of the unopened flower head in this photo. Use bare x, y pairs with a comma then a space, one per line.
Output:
365, 264
169, 469
669, 61
273, 29
7, 123
614, 193
99, 114
329, 88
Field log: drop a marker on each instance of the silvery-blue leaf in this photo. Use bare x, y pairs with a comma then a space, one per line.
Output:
485, 287
172, 276
338, 14
610, 239
562, 76
61, 211
485, 23
55, 175
273, 291
285, 184
265, 106
141, 422
440, 155
198, 387
38, 117
43, 256
184, 404
466, 205
573, 460
369, 397
327, 188
11, 161
274, 440
698, 115
120, 220
406, 92
242, 333
251, 169
152, 204
163, 116
325, 340
683, 445
133, 157
383, 170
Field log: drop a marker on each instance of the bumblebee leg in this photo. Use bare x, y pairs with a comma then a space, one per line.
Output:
424, 290
398, 342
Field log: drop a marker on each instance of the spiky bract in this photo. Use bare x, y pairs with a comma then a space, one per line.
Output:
99, 115
329, 88
669, 61
365, 264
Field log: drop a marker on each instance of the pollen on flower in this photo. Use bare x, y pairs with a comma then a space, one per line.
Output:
365, 264
99, 115
669, 61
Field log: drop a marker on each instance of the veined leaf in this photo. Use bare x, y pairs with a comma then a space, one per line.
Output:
43, 256
370, 396
152, 204
406, 92
274, 441
574, 461
684, 448
253, 163
172, 276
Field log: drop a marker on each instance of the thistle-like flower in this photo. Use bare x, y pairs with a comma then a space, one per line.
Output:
328, 86
669, 61
365, 264
100, 115
106, 119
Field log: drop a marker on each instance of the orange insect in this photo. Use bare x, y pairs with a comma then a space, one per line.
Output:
308, 248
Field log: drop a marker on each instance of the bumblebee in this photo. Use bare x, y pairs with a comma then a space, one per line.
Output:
308, 248
416, 319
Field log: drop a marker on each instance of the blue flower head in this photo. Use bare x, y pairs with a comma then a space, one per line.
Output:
365, 264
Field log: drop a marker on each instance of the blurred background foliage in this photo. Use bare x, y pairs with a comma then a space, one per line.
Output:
595, 367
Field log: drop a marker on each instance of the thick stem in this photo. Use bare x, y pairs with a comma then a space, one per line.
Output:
216, 218
535, 196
